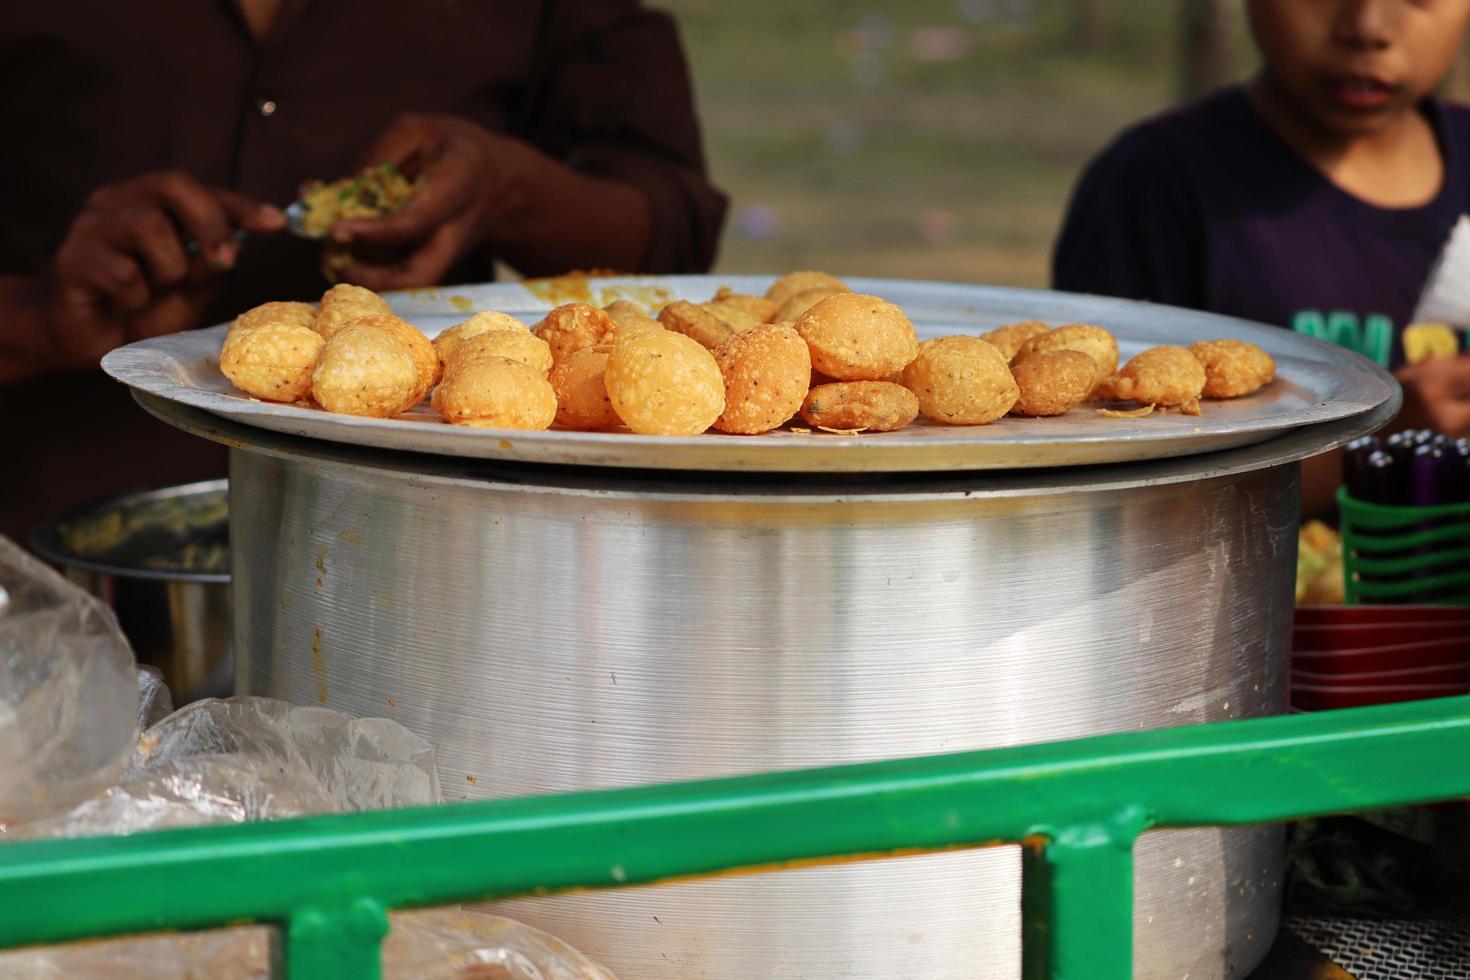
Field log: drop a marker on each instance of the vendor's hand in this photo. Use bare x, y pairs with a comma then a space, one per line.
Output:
1437, 395
143, 258
471, 181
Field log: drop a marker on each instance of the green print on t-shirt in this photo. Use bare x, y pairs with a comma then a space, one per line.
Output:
1372, 336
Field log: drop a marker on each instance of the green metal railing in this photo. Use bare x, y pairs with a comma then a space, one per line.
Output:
1078, 807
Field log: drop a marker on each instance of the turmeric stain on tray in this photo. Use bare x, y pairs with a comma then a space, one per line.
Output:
319, 664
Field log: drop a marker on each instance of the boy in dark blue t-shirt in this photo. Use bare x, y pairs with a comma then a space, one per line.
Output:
1320, 196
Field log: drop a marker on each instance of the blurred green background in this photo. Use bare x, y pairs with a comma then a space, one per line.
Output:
931, 138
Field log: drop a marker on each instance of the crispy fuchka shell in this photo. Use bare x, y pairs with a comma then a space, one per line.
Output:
696, 323
515, 345
301, 314
625, 311
426, 365
581, 391
961, 381
1233, 368
272, 359
761, 308
1053, 382
858, 338
1093, 341
795, 305
664, 383
485, 321
622, 331
365, 370
1168, 376
799, 282
766, 370
573, 327
1009, 338
875, 406
344, 303
496, 393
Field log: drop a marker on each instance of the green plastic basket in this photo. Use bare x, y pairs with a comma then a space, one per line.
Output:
1402, 555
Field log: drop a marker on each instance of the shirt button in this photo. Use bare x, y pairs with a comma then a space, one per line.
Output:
266, 108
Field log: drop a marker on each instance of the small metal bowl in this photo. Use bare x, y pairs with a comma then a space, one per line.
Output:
160, 559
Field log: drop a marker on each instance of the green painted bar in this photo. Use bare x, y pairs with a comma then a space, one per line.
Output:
1077, 904
344, 943
1233, 773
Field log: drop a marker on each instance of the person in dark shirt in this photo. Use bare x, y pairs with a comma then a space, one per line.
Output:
140, 140
1320, 196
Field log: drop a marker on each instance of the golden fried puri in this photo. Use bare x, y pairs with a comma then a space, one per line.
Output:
796, 305
365, 369
573, 327
799, 282
344, 303
1009, 338
485, 321
496, 393
581, 391
515, 345
766, 370
858, 338
1095, 342
1053, 382
301, 314
426, 366
876, 406
961, 381
1166, 376
664, 383
1233, 367
738, 317
760, 307
273, 359
625, 311
696, 323
622, 331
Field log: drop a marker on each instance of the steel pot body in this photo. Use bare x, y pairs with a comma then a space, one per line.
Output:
552, 633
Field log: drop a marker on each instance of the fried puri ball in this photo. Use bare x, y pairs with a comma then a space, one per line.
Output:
1095, 342
581, 391
1233, 367
796, 305
858, 338
760, 307
1166, 375
485, 321
496, 393
426, 365
664, 383
365, 369
344, 303
799, 282
573, 327
273, 359
301, 314
622, 331
736, 316
766, 370
623, 311
1053, 382
961, 381
696, 323
514, 345
877, 406
1009, 338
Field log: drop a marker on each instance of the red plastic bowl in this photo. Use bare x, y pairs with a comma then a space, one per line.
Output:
1306, 638
1394, 656
1450, 674
1308, 697
1374, 615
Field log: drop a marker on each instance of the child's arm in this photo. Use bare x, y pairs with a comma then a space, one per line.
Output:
1132, 228
1437, 395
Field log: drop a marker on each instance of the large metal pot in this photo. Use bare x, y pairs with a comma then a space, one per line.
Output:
553, 629
160, 559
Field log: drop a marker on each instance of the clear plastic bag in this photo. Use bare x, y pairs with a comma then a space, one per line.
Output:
68, 691
154, 701
251, 758
431, 944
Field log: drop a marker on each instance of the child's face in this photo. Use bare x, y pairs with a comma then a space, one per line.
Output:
1354, 65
